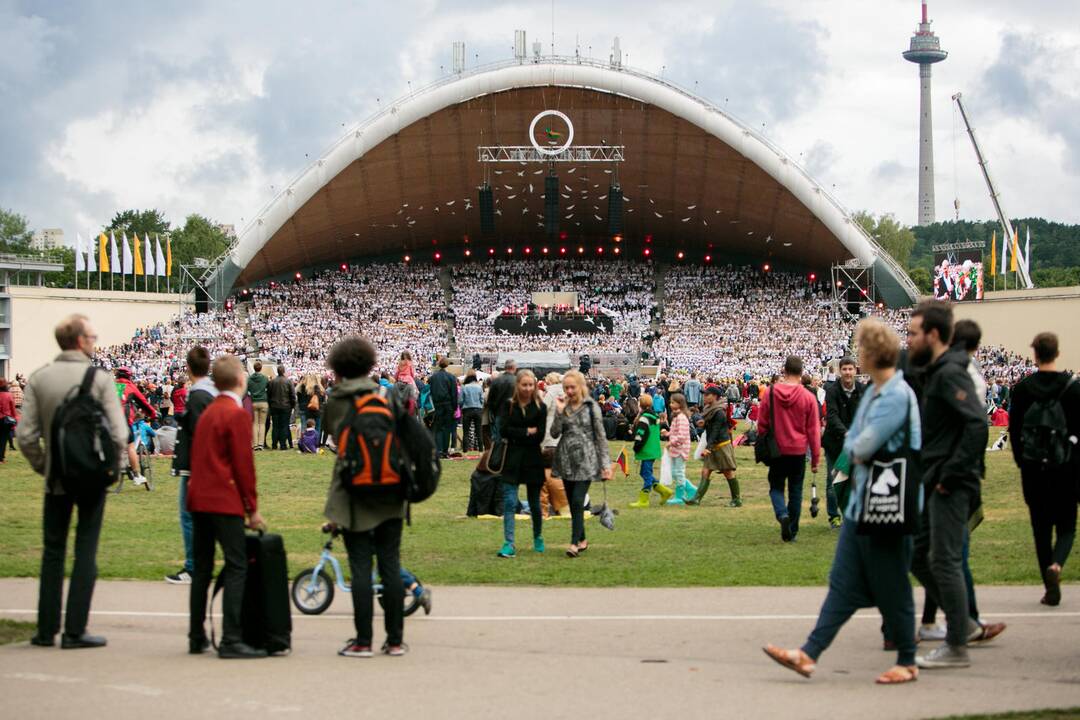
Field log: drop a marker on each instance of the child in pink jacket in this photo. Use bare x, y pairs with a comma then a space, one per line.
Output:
679, 449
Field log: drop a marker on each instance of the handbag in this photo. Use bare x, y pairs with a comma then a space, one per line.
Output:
313, 403
496, 457
765, 449
890, 497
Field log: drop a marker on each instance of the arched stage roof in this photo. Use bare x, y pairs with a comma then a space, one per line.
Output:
693, 177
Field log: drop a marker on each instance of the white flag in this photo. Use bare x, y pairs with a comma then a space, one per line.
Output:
159, 257
80, 261
1004, 251
91, 251
148, 259
1027, 250
114, 259
129, 260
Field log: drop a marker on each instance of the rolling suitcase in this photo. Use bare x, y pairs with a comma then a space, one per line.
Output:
266, 618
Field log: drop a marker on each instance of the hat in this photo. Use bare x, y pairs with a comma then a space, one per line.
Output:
713, 390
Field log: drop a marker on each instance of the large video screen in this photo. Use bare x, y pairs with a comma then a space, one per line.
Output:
958, 275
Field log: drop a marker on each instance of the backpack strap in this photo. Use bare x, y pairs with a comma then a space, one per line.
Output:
1065, 389
88, 380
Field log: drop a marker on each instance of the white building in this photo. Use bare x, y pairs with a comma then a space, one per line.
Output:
47, 239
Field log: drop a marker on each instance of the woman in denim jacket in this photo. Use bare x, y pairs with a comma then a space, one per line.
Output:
868, 570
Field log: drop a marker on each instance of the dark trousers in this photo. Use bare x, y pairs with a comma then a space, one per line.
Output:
384, 542
576, 490
443, 426
56, 521
227, 531
1051, 504
470, 418
5, 437
280, 437
930, 608
787, 470
832, 507
939, 558
868, 571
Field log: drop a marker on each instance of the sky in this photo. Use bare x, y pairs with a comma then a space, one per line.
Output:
211, 107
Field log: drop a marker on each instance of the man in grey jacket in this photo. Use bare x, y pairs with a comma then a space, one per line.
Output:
45, 392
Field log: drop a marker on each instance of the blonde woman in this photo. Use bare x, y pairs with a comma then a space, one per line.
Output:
310, 397
553, 493
523, 430
582, 454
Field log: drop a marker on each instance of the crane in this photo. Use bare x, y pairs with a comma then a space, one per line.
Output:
995, 196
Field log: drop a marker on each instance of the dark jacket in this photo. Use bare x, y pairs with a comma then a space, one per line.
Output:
715, 424
524, 463
443, 390
1037, 388
257, 384
499, 394
954, 429
839, 412
199, 397
281, 394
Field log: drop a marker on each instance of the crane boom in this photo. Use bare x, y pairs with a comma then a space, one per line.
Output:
1003, 219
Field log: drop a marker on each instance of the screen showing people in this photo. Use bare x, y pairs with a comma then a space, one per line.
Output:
958, 276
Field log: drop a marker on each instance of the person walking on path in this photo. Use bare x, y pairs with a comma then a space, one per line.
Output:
582, 454
282, 399
841, 399
869, 570
790, 411
198, 398
9, 418
46, 390
371, 526
223, 500
719, 454
954, 432
256, 388
523, 431
647, 452
1045, 418
678, 448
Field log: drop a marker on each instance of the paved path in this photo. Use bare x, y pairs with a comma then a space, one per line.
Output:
538, 653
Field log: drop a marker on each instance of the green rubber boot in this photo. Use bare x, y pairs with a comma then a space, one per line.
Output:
736, 496
680, 496
642, 500
664, 492
701, 490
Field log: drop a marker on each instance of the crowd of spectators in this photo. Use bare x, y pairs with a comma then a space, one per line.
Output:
157, 352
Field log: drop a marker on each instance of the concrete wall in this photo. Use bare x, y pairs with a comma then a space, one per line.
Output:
1012, 318
35, 312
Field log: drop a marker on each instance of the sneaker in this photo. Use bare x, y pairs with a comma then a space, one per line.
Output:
425, 600
931, 632
507, 551
785, 529
355, 649
835, 523
394, 650
179, 578
538, 544
944, 656
985, 632
138, 480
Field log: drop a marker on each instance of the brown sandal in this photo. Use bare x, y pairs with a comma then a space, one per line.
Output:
795, 660
898, 675
572, 551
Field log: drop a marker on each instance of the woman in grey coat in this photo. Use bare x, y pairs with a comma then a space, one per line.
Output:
582, 453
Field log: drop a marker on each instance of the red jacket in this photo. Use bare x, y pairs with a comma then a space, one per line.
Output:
797, 422
7, 406
222, 464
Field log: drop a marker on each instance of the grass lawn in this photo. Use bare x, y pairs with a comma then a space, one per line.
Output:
12, 631
713, 545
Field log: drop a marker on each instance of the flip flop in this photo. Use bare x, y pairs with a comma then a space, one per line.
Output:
795, 660
898, 675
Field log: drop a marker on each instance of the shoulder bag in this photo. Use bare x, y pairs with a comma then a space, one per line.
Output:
890, 497
765, 449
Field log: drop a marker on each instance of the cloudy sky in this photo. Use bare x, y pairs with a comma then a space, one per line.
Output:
209, 107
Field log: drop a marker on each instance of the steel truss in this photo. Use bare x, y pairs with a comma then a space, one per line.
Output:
528, 153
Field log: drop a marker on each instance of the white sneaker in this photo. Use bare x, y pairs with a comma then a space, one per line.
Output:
181, 578
929, 633
139, 480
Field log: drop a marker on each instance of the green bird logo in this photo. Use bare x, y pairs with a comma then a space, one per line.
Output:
552, 134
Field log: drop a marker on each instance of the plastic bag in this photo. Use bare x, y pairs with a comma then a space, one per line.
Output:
701, 445
665, 470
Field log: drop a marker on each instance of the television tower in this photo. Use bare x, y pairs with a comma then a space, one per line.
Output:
925, 50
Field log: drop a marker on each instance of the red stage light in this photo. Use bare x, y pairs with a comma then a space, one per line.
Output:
510, 251
863, 292
616, 251
708, 258
468, 252
813, 277
344, 267
600, 250
680, 255
767, 267
544, 251
528, 251
563, 235
407, 258
438, 256
580, 250
839, 283
491, 251
648, 252
299, 276
617, 238
648, 238
562, 251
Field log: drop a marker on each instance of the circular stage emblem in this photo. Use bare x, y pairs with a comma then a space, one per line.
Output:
552, 135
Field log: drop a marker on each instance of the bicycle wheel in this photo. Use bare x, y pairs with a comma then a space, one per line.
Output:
312, 593
146, 467
412, 603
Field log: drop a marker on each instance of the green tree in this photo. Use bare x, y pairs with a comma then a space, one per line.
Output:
199, 238
921, 277
896, 238
15, 232
141, 222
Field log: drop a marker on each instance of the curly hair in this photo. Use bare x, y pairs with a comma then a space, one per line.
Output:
351, 357
878, 343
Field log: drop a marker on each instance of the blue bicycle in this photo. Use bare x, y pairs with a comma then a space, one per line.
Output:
313, 589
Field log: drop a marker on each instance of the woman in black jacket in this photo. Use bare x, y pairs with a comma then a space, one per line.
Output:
523, 431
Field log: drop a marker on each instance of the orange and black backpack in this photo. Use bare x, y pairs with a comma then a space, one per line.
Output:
381, 449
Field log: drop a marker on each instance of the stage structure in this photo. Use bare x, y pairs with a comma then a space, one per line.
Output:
853, 287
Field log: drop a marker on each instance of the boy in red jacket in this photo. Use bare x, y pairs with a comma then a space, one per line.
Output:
222, 501
791, 413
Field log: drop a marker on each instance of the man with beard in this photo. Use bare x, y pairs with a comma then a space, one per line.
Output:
954, 439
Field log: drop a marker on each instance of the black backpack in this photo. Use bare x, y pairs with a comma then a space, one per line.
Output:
1044, 434
84, 457
382, 449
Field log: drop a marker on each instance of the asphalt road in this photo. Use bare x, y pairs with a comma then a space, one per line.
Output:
538, 653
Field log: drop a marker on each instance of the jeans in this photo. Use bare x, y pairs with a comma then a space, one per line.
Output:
280, 437
647, 477
831, 506
186, 527
6, 431
678, 471
56, 521
258, 432
789, 469
471, 428
510, 503
868, 571
938, 560
384, 542
576, 490
930, 608
228, 531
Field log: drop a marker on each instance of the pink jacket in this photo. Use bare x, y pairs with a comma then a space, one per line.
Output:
679, 437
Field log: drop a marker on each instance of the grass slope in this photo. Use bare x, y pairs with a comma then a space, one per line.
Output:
713, 545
